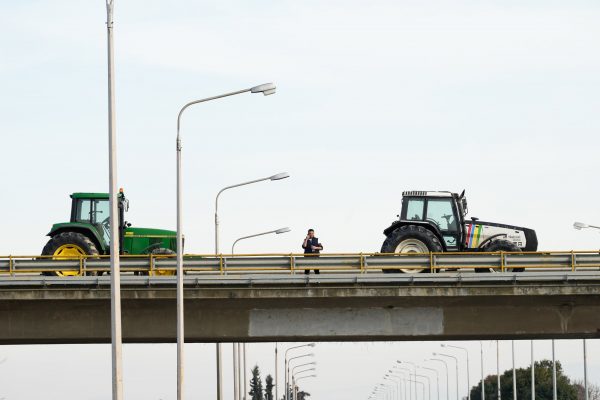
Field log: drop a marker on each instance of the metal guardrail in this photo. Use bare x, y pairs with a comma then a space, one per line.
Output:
297, 263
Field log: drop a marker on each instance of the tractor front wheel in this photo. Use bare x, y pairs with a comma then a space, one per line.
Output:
163, 253
411, 239
501, 245
68, 246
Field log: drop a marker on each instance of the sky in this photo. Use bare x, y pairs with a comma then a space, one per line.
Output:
496, 97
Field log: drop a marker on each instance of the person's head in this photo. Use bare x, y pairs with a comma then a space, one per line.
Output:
311, 233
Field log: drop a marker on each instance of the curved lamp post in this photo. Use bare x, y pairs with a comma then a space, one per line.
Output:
467, 354
302, 377
276, 231
286, 366
456, 363
266, 89
294, 358
437, 379
275, 177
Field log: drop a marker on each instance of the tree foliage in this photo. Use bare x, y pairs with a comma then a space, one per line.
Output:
593, 390
543, 384
303, 395
256, 388
269, 387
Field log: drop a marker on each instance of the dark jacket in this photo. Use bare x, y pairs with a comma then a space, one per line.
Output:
311, 242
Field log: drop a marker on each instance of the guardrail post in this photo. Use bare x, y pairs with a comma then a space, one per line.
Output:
10, 266
362, 263
151, 264
81, 269
221, 266
292, 264
501, 261
572, 261
431, 262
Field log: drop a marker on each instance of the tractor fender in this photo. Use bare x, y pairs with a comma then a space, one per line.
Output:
427, 225
84, 229
489, 240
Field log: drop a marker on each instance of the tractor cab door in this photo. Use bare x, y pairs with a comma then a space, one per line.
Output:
94, 212
441, 212
438, 211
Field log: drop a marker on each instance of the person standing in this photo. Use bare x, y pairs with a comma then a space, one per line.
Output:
311, 246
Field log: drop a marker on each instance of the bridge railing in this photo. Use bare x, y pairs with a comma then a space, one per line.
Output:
298, 263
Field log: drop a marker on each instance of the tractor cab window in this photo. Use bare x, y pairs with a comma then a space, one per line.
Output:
440, 212
414, 209
95, 212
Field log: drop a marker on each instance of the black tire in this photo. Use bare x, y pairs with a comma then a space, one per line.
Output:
407, 233
501, 245
79, 244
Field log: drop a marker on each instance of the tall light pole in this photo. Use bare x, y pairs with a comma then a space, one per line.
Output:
302, 377
514, 371
482, 374
276, 231
285, 366
408, 372
554, 396
397, 382
275, 177
532, 373
447, 375
467, 354
456, 363
414, 372
266, 89
437, 379
115, 269
293, 358
585, 386
498, 368
401, 379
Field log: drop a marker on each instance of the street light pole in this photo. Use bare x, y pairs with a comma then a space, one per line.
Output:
554, 396
414, 373
467, 354
265, 89
482, 375
447, 375
437, 380
276, 231
533, 373
514, 371
285, 366
585, 385
456, 362
115, 269
498, 368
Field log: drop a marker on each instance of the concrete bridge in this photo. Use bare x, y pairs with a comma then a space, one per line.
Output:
326, 307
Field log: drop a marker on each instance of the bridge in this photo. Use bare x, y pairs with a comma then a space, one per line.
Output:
268, 298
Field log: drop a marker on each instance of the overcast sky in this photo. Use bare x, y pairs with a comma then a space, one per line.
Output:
374, 97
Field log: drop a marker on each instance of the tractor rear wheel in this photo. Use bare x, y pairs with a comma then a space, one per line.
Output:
68, 245
501, 245
165, 253
411, 239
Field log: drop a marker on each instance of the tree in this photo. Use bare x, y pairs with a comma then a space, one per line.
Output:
593, 391
256, 388
269, 387
543, 384
303, 395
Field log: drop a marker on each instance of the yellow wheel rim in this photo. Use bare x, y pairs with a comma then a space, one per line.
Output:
163, 272
68, 252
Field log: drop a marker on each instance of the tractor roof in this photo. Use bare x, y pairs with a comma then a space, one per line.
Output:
424, 193
80, 195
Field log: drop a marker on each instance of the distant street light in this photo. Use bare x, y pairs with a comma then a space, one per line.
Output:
287, 365
266, 89
276, 231
437, 379
447, 376
456, 363
467, 354
580, 225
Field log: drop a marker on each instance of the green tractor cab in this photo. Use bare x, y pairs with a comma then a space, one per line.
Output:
88, 232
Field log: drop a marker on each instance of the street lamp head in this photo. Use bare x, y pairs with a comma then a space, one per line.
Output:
435, 354
265, 88
443, 345
580, 225
311, 345
282, 230
277, 177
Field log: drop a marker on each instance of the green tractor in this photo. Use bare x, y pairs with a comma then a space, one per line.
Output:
88, 233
